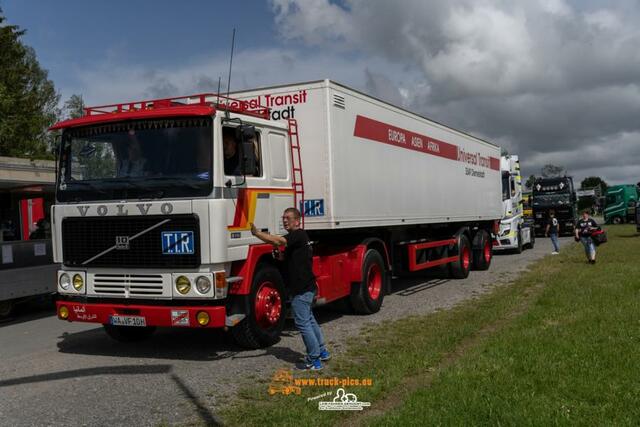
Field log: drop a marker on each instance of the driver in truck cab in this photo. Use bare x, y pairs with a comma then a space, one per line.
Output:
133, 163
231, 154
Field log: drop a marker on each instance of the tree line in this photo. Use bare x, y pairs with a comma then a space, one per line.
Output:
29, 102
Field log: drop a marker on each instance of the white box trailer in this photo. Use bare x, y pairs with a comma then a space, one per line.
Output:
367, 163
153, 228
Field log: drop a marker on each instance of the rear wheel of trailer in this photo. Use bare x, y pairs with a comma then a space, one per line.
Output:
459, 269
482, 250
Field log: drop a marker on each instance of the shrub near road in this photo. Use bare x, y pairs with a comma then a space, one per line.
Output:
558, 346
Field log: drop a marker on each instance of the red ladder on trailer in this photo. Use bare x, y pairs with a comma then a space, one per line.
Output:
296, 166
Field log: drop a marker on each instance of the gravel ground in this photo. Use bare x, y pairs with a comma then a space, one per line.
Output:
58, 373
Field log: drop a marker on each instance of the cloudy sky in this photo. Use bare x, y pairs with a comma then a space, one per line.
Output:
554, 81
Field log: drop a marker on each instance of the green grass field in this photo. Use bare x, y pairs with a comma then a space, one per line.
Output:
559, 346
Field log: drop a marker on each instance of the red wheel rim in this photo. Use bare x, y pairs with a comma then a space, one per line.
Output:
268, 305
487, 252
466, 258
374, 281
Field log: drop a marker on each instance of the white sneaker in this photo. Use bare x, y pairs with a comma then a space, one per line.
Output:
554, 253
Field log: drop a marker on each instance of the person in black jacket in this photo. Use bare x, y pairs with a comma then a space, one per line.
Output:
301, 284
552, 229
584, 227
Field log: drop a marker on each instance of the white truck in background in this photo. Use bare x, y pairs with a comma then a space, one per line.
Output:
516, 233
152, 226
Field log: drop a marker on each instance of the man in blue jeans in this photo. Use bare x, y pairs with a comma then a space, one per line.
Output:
583, 229
301, 284
552, 231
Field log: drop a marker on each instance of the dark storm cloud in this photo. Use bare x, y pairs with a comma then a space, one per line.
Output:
553, 81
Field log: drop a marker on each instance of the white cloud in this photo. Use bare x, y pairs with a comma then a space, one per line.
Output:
114, 81
313, 21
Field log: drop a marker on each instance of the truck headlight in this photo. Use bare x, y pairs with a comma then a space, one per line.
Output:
183, 285
203, 284
78, 283
64, 281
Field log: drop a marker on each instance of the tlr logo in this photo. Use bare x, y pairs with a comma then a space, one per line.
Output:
313, 207
177, 242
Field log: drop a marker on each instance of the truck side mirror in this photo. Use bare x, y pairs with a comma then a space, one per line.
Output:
246, 134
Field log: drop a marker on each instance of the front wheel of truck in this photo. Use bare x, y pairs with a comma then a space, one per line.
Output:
532, 241
264, 308
129, 333
520, 246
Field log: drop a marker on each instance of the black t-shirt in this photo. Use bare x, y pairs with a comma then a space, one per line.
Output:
584, 226
298, 257
553, 225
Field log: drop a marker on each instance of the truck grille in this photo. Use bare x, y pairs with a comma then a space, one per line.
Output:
83, 239
127, 285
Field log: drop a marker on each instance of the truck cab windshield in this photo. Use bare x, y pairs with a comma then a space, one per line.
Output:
136, 160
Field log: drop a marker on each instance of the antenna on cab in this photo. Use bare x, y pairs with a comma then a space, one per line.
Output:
218, 92
233, 41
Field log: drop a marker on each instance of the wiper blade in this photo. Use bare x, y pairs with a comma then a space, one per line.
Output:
89, 184
189, 182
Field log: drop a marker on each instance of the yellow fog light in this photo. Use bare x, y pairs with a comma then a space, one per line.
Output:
183, 285
78, 283
203, 318
63, 312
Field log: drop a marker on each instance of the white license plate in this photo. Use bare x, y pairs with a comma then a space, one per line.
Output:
128, 321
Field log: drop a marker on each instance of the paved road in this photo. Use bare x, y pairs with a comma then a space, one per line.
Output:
58, 373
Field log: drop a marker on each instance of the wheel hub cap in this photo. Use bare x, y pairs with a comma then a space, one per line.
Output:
268, 305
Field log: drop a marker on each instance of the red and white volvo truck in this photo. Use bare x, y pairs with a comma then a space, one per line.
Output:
151, 221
